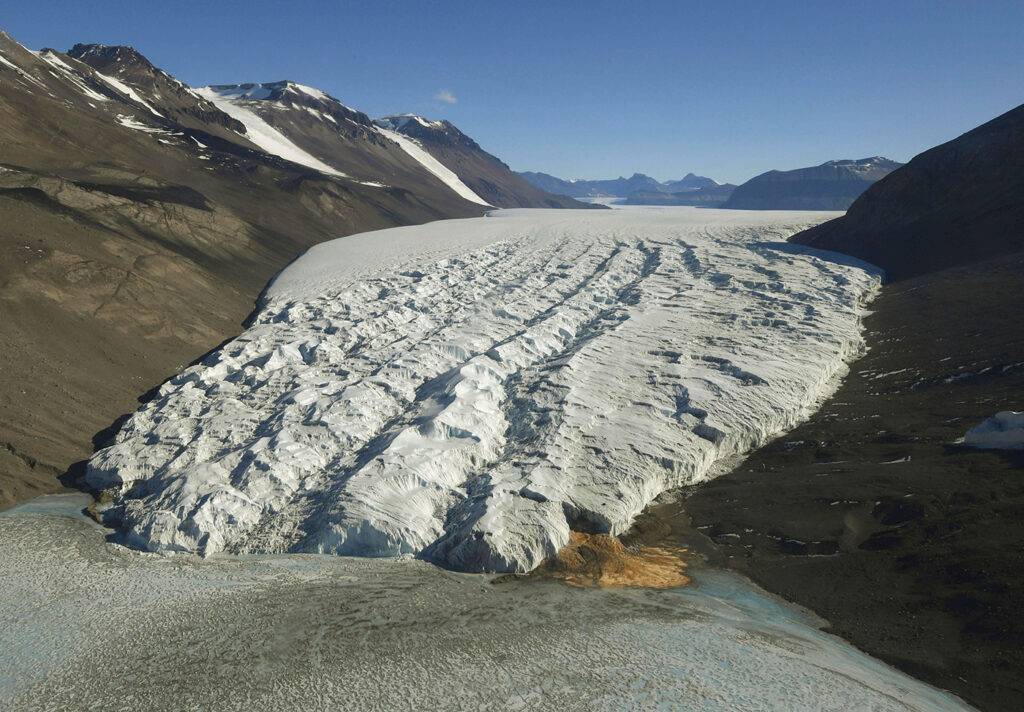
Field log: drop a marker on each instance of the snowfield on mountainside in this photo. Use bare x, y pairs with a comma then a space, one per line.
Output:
469, 391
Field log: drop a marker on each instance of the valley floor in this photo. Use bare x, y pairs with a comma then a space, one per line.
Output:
870, 514
92, 625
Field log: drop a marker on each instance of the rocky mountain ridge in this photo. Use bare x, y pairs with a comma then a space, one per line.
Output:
707, 197
833, 185
620, 187
956, 203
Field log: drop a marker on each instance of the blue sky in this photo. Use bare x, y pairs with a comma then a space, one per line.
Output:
599, 89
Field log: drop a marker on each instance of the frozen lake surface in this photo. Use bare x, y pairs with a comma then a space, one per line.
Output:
93, 625
469, 391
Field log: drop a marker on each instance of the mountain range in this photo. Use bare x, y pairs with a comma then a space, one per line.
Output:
833, 185
707, 197
140, 218
615, 187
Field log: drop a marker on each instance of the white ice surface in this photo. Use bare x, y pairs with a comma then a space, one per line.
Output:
1003, 431
446, 175
470, 390
263, 134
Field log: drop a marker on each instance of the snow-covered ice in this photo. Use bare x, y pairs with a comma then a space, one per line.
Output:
468, 391
1003, 431
310, 91
434, 166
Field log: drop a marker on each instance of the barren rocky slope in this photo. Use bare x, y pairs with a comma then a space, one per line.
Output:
955, 203
833, 185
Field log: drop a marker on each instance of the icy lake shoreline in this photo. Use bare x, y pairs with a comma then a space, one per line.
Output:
469, 391
93, 625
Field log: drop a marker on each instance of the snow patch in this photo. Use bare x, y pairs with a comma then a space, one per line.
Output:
310, 91
425, 123
21, 72
263, 134
438, 169
120, 86
1003, 431
242, 91
132, 123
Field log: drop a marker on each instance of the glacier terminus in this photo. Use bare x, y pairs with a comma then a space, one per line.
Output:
470, 391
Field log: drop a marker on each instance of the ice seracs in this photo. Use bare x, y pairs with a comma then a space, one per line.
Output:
470, 391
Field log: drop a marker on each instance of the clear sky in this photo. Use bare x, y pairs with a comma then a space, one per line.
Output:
599, 89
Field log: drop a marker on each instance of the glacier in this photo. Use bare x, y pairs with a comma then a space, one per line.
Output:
470, 391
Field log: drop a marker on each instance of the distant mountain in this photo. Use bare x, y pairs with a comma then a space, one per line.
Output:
708, 197
615, 187
831, 186
484, 174
551, 184
690, 181
956, 203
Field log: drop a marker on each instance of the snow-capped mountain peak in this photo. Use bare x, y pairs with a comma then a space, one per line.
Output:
401, 121
289, 95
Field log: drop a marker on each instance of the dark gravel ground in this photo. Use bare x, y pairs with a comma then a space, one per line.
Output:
870, 515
